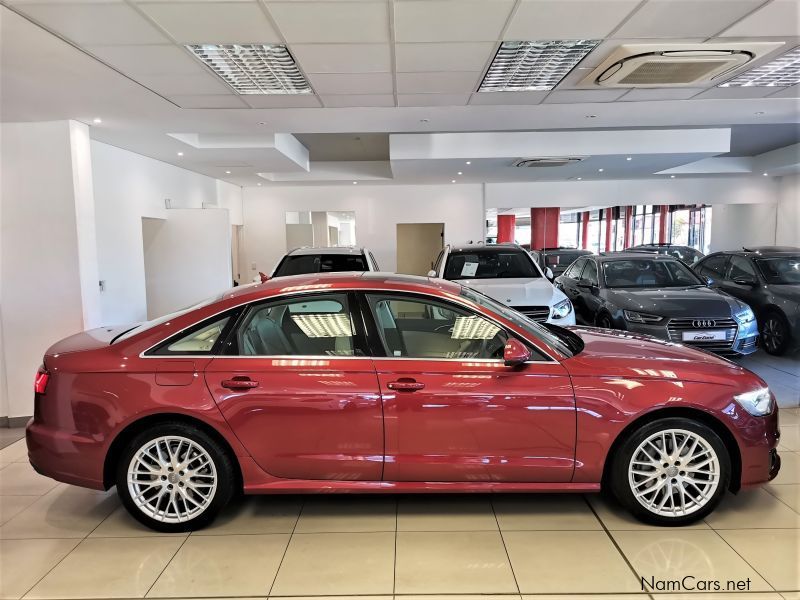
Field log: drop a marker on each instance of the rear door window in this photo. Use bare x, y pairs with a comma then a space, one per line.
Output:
714, 267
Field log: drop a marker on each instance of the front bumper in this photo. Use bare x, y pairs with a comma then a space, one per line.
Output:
739, 339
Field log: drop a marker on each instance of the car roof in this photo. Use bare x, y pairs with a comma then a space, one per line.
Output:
341, 280
484, 247
609, 256
761, 252
564, 249
326, 250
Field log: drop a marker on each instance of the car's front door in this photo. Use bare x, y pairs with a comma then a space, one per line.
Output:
454, 411
741, 280
298, 389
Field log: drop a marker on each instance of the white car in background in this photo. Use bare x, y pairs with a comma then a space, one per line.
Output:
301, 261
507, 273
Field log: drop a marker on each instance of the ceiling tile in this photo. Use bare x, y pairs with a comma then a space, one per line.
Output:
432, 99
448, 82
282, 101
332, 21
583, 96
87, 24
647, 94
736, 92
450, 20
343, 58
361, 100
787, 92
213, 22
567, 19
685, 18
184, 85
457, 56
214, 101
778, 18
148, 60
507, 98
351, 83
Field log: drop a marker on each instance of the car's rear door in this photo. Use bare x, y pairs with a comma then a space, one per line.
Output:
454, 411
298, 388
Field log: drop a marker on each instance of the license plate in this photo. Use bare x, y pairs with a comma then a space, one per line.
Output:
704, 336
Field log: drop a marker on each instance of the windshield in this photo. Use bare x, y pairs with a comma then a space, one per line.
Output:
168, 317
686, 255
300, 264
490, 264
648, 273
529, 326
785, 269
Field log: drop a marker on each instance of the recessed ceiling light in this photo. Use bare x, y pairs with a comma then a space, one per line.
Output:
783, 71
629, 158
600, 170
589, 116
258, 184
672, 176
459, 173
424, 120
355, 183
452, 181
262, 122
579, 178
765, 174
227, 172
254, 68
97, 120
533, 66
469, 162
180, 153
759, 113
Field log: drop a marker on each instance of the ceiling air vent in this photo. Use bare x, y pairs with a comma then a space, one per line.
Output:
549, 161
674, 65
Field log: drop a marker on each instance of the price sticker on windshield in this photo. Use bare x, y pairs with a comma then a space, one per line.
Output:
469, 269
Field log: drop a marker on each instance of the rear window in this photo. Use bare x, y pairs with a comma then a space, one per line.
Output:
301, 264
490, 264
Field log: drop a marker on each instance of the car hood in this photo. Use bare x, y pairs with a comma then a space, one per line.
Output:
629, 356
676, 302
518, 292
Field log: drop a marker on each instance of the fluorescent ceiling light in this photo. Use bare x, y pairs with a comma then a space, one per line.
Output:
533, 66
784, 71
254, 68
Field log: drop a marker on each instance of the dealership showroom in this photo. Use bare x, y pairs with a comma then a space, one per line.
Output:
400, 299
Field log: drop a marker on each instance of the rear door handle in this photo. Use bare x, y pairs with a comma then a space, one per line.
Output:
239, 383
405, 385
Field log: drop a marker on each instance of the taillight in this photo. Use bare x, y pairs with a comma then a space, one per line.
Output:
40, 383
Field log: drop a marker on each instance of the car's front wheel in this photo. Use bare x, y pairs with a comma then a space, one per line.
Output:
672, 471
774, 333
174, 477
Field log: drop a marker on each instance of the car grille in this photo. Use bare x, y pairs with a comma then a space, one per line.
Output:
676, 327
537, 313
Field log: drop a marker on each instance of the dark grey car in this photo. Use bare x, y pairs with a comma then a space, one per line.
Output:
686, 254
768, 279
557, 259
660, 296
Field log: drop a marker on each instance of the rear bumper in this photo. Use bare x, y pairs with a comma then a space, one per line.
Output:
69, 458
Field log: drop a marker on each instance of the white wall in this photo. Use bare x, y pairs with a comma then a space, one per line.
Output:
734, 226
187, 258
127, 187
378, 209
788, 218
49, 276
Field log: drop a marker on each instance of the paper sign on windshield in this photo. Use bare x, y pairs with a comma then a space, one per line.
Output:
469, 269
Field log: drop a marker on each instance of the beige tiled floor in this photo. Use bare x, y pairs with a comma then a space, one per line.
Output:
57, 541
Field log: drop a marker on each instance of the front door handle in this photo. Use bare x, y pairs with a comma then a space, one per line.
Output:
239, 383
405, 385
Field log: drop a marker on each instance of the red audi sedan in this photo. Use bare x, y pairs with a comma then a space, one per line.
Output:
354, 382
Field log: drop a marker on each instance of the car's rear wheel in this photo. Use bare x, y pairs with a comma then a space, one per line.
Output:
604, 320
672, 471
174, 477
774, 333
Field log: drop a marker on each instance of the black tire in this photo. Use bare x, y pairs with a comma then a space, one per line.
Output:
621, 486
604, 320
774, 331
220, 460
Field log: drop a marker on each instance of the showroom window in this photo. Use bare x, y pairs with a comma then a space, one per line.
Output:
646, 219
596, 235
569, 230
308, 326
416, 328
690, 226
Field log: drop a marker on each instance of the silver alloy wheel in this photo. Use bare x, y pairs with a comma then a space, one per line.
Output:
172, 479
674, 472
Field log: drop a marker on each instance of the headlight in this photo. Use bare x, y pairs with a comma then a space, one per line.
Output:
637, 317
562, 309
745, 316
758, 402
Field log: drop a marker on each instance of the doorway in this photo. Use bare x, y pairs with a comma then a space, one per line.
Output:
418, 245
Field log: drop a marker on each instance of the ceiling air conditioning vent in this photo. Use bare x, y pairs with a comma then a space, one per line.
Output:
549, 161
674, 65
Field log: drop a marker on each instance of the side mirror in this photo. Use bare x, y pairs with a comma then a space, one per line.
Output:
709, 281
548, 272
264, 277
585, 283
515, 353
432, 273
